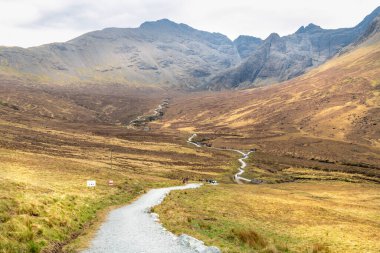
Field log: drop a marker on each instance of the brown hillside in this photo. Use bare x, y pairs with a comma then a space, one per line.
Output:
330, 115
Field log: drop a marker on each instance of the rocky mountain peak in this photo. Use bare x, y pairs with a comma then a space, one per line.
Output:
247, 38
369, 18
273, 37
246, 45
372, 31
163, 24
310, 28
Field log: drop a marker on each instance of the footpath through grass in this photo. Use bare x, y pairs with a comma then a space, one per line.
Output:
291, 217
45, 204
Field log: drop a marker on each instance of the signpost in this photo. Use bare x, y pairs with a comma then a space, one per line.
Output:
91, 183
111, 159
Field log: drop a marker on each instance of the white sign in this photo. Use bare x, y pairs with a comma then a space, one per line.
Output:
91, 183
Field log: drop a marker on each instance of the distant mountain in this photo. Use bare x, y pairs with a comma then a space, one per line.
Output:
246, 45
167, 54
281, 58
156, 53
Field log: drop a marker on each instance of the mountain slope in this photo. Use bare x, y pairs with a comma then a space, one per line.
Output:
159, 53
329, 114
245, 45
282, 58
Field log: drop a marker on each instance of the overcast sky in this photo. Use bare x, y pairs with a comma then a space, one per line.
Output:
34, 22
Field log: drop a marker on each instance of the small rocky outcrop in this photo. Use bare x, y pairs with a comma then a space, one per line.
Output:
196, 245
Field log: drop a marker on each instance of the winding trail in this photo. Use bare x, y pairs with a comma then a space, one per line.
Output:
133, 229
237, 177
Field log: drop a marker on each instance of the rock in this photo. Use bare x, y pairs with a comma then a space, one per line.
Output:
256, 181
246, 45
196, 245
211, 249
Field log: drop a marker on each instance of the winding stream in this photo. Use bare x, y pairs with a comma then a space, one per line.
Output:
144, 119
237, 177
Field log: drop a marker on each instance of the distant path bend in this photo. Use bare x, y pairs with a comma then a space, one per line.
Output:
237, 177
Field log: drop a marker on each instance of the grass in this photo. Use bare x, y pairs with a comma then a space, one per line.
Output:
45, 205
58, 138
280, 169
45, 202
291, 217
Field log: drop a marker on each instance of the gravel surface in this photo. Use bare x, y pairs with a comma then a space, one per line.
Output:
132, 229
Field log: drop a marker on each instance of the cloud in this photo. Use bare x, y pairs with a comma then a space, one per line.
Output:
94, 14
77, 16
34, 22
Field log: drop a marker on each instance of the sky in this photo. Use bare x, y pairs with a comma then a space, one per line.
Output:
28, 23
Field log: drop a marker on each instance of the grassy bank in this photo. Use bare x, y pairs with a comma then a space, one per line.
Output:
292, 217
278, 169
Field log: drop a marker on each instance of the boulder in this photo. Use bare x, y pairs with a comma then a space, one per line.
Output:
196, 245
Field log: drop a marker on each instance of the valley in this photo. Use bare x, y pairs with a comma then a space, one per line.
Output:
47, 156
306, 133
288, 127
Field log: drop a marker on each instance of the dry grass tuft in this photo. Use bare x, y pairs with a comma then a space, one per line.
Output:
320, 248
251, 237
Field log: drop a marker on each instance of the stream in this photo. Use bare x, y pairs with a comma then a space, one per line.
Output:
237, 177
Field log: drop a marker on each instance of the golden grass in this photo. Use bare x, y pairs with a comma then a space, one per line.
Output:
335, 104
44, 164
293, 217
44, 201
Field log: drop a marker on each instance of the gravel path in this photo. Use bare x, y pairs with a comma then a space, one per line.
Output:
132, 229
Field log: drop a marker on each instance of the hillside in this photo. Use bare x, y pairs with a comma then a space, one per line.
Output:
328, 118
317, 156
161, 53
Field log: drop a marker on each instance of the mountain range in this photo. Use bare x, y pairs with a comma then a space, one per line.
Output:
166, 54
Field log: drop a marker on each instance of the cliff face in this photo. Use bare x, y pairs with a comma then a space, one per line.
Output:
281, 58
